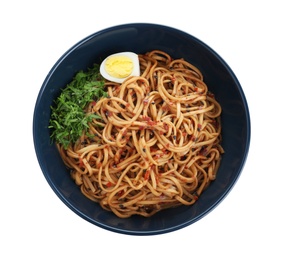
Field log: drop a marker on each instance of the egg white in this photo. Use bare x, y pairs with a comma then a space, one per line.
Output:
136, 67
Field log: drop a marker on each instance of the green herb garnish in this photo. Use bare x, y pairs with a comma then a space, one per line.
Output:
68, 117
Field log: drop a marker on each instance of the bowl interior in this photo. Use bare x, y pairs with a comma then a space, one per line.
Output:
141, 38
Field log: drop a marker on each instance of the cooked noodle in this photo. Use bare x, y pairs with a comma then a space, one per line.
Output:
157, 144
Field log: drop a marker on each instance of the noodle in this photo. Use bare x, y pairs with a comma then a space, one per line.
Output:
157, 144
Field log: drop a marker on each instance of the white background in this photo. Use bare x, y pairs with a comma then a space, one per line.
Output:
35, 224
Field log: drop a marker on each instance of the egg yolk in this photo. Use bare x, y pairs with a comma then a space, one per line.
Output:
119, 66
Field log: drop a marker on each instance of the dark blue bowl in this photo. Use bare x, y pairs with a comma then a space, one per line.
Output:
141, 38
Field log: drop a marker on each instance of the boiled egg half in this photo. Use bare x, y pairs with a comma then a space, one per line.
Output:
119, 66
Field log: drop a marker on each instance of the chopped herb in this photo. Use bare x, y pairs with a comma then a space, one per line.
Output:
68, 117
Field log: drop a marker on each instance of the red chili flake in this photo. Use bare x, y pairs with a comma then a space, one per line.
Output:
157, 156
211, 95
117, 88
124, 132
199, 127
93, 103
120, 193
165, 108
109, 184
203, 151
147, 173
108, 113
165, 126
157, 178
215, 123
151, 123
146, 176
81, 162
146, 118
99, 165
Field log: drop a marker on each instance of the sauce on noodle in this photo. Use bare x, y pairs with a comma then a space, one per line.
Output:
156, 143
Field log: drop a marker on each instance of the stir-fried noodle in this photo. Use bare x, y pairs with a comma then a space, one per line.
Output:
157, 144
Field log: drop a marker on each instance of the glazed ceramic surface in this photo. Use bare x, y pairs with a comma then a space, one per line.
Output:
140, 38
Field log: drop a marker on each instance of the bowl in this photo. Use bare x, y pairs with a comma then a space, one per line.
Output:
141, 38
